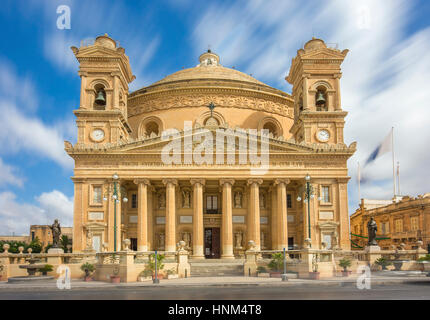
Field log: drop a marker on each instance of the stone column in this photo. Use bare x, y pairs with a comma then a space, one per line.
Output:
142, 214
150, 239
273, 218
79, 207
227, 219
281, 214
254, 212
343, 214
170, 214
198, 231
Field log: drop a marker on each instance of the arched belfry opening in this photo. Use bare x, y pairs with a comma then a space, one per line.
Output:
100, 97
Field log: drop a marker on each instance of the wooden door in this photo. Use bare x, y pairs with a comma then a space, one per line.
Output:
216, 236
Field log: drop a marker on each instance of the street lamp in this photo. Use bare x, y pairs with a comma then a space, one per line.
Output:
116, 199
309, 194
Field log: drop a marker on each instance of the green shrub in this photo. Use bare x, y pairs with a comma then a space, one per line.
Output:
47, 268
88, 268
425, 258
383, 262
146, 273
151, 263
261, 269
277, 262
345, 263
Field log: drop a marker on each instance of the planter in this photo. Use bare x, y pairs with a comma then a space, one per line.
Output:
172, 276
263, 274
88, 279
346, 273
115, 279
275, 274
426, 267
314, 275
142, 279
159, 277
398, 265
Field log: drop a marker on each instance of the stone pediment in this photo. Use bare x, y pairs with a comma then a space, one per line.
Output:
324, 54
196, 138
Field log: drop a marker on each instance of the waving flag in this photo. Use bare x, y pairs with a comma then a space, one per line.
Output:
384, 147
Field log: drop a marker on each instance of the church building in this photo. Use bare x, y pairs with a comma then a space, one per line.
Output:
210, 156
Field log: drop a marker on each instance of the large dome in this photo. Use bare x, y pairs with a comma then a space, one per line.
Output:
209, 68
209, 73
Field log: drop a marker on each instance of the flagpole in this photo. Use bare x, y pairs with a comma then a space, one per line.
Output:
394, 171
398, 178
359, 178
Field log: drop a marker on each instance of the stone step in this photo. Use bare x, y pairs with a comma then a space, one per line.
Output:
209, 269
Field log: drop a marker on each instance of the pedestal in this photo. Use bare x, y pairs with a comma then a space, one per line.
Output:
55, 251
373, 253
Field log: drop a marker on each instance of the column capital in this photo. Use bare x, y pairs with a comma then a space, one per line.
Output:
281, 181
254, 181
170, 181
142, 181
222, 182
202, 182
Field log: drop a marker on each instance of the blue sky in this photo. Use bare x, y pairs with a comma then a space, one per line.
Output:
385, 79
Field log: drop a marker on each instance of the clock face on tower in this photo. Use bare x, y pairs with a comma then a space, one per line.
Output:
323, 135
98, 135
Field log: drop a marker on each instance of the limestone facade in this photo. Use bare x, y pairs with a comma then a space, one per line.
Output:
216, 207
403, 221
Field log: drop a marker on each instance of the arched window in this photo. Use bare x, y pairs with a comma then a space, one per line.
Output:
271, 127
100, 97
152, 127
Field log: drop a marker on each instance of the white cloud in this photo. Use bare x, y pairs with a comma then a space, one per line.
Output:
19, 89
16, 217
57, 49
20, 132
385, 75
8, 175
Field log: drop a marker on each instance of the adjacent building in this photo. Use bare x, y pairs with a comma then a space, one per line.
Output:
405, 220
209, 155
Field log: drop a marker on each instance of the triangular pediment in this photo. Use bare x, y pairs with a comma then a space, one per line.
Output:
197, 137
324, 54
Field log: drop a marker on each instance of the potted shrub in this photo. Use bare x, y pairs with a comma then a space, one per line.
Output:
145, 275
88, 268
171, 274
47, 268
160, 265
262, 272
425, 263
383, 263
276, 265
115, 278
345, 263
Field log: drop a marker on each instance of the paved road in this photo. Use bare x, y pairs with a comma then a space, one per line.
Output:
417, 291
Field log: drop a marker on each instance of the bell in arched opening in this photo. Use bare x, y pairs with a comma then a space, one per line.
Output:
100, 99
320, 98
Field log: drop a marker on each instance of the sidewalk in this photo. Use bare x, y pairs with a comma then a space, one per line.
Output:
377, 278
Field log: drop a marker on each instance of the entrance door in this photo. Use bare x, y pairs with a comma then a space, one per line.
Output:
212, 243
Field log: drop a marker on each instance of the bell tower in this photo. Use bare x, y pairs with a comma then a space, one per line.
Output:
105, 73
315, 75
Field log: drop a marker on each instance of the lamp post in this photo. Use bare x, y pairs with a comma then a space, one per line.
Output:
309, 194
116, 199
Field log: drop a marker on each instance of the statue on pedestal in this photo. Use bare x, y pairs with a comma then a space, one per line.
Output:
238, 199
186, 237
161, 241
371, 230
186, 198
162, 200
56, 233
239, 239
